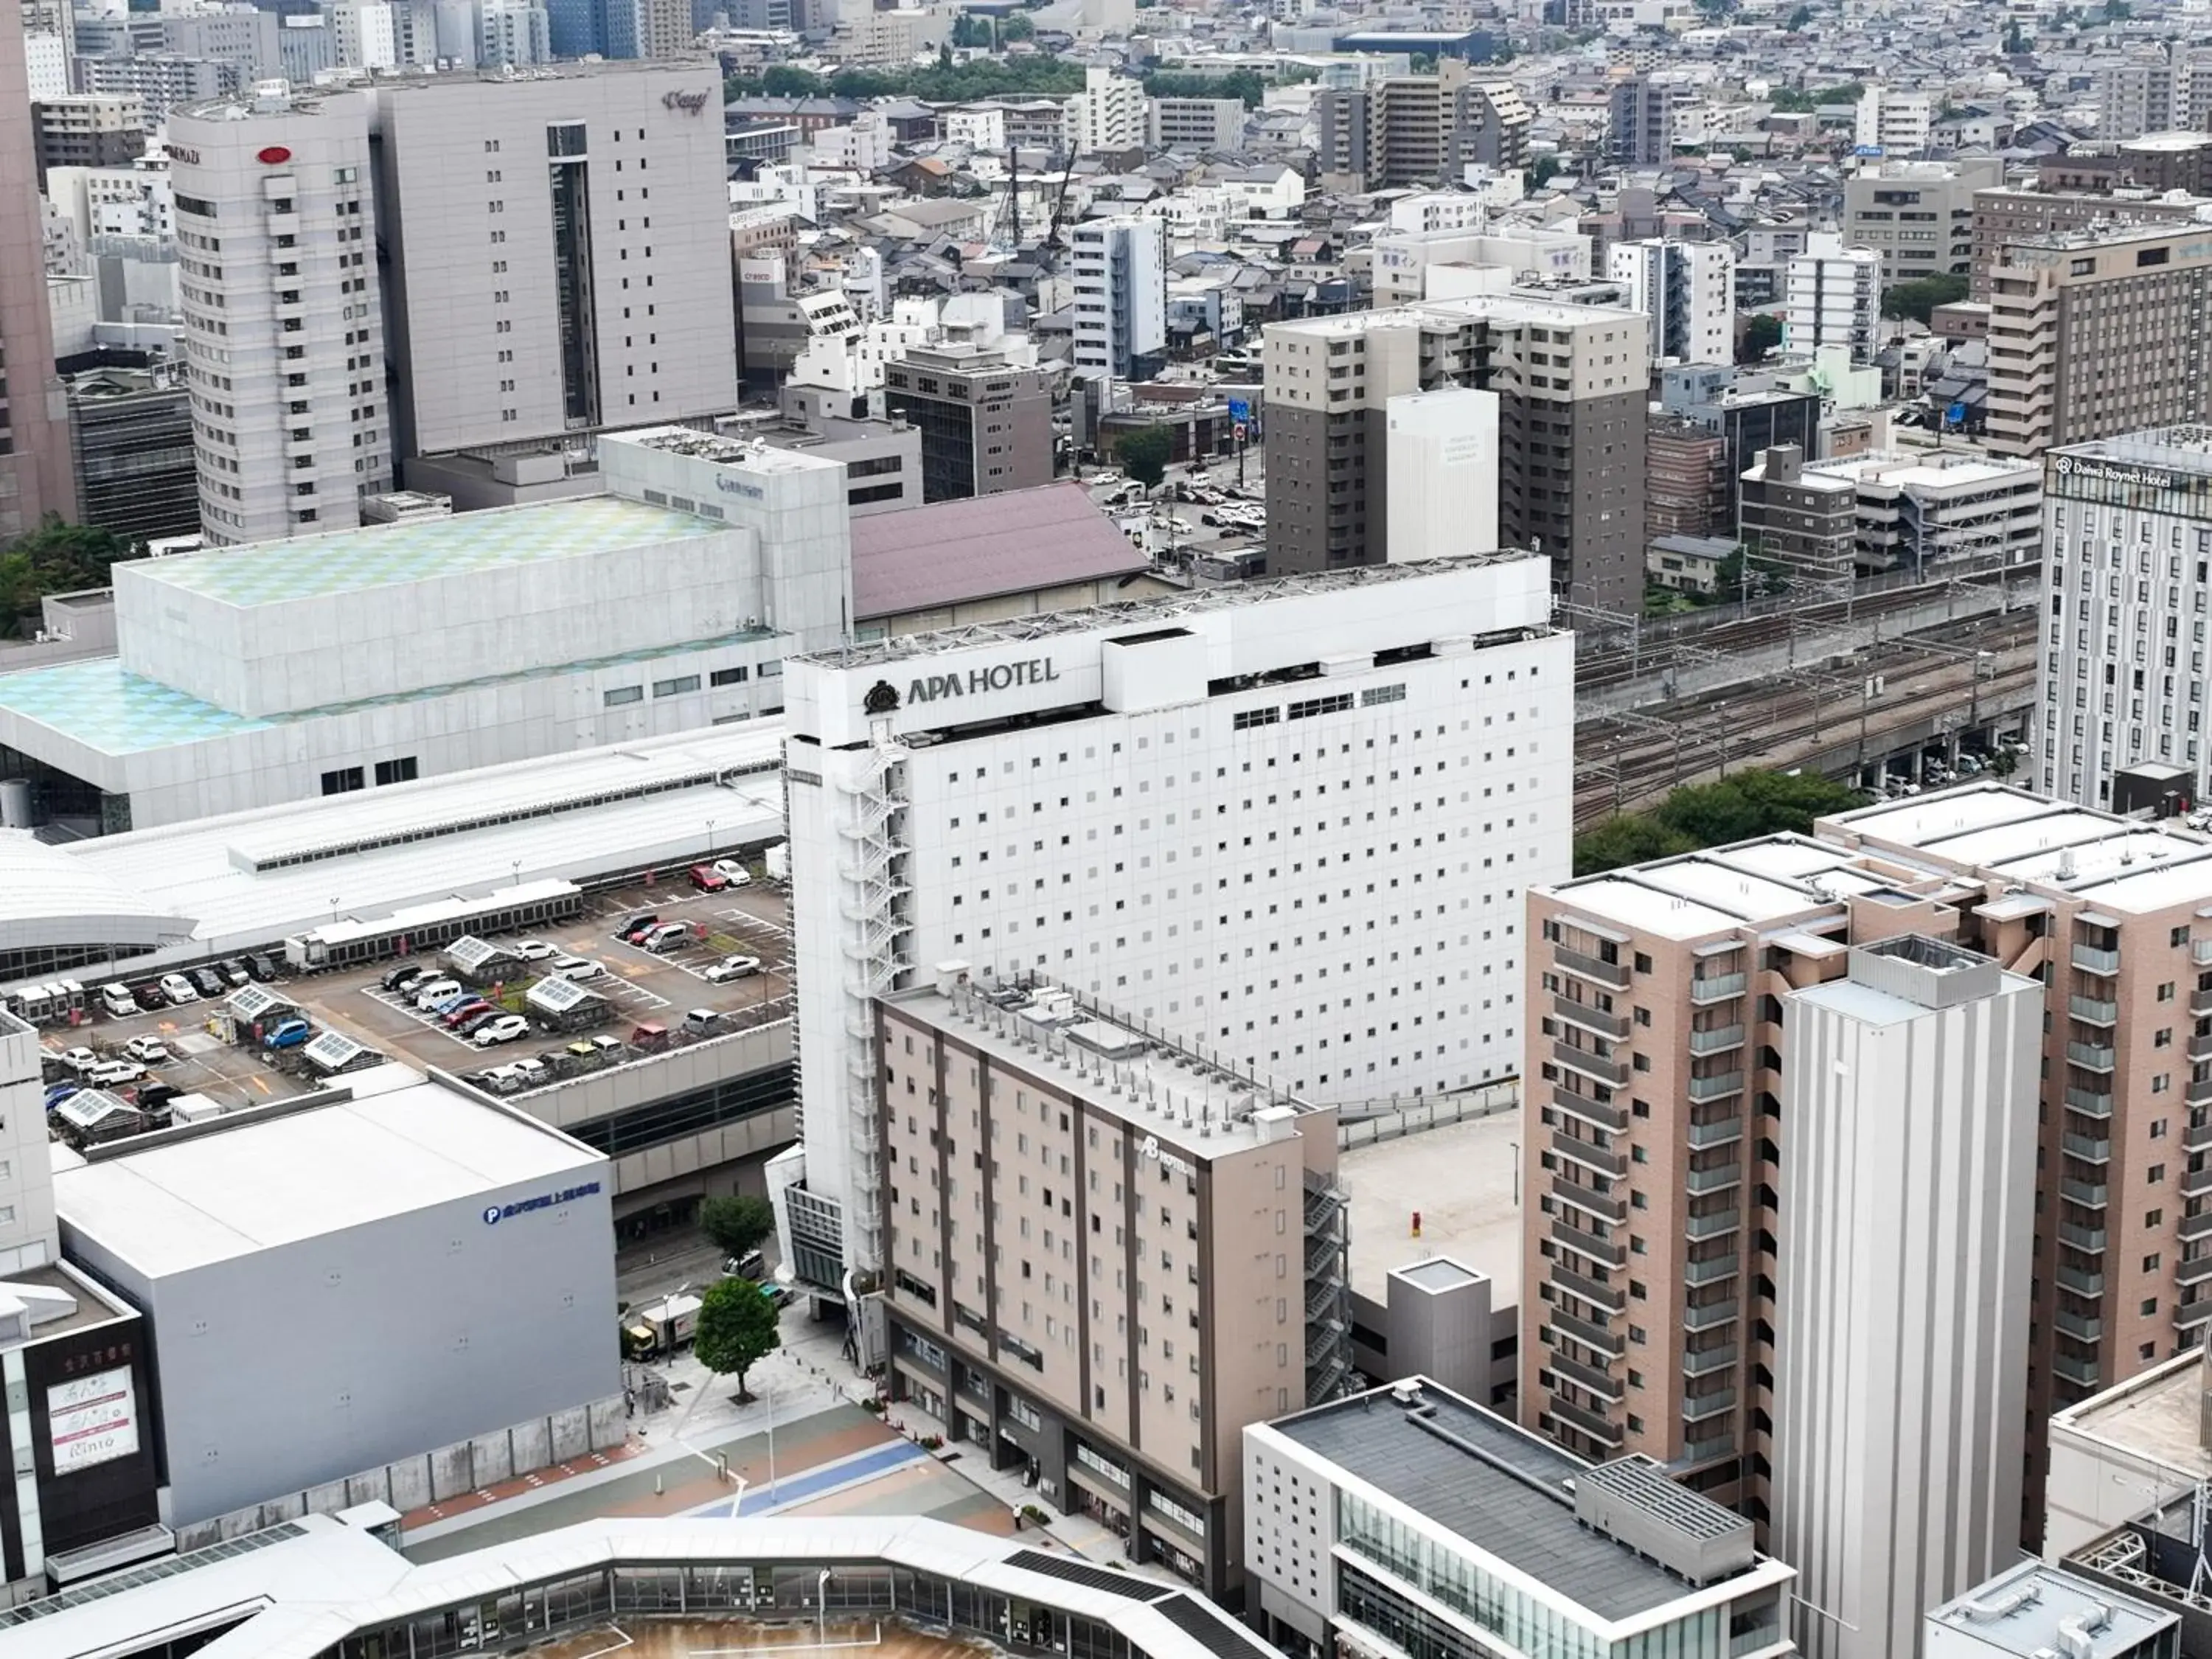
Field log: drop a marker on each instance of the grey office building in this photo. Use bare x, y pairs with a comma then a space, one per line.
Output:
986, 422
130, 438
1571, 387
336, 1290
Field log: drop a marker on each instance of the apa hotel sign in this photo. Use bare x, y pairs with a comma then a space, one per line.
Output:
976, 681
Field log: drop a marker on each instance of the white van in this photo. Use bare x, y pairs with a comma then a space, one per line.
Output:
118, 1002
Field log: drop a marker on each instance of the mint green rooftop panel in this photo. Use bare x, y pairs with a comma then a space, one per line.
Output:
383, 555
100, 703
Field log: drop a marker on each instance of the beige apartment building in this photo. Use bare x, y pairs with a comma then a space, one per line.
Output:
1105, 1255
2002, 214
1652, 1169
2096, 331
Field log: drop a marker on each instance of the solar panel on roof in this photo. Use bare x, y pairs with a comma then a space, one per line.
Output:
1212, 1632
189, 1562
1091, 1577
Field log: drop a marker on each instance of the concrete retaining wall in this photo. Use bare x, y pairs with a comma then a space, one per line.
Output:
436, 1476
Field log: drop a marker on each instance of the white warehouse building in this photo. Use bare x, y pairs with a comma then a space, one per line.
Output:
1291, 823
252, 676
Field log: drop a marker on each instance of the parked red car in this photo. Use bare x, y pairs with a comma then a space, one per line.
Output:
709, 880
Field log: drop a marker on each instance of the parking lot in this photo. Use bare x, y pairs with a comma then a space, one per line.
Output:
645, 988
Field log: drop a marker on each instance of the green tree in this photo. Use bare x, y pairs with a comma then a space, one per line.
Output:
1760, 336
2003, 762
1799, 18
1144, 454
1745, 575
737, 1327
737, 1224
2016, 41
1734, 808
54, 558
1244, 84
1544, 169
1917, 298
1017, 27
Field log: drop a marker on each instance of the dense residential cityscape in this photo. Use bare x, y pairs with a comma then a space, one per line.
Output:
1143, 830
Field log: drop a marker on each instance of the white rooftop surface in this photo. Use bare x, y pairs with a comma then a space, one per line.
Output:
313, 1588
1719, 881
255, 1185
1925, 819
1460, 1177
45, 895
2133, 849
2143, 889
1963, 471
1648, 910
2062, 826
1860, 1002
199, 871
1786, 858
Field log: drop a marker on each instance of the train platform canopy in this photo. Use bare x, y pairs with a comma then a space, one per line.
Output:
220, 887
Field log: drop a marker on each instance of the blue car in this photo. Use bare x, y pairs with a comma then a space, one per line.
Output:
290, 1035
60, 1092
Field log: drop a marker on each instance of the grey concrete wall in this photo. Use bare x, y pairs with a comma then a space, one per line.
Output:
297, 1367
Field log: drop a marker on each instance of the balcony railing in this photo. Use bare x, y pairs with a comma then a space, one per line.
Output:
1703, 1362
1586, 966
2079, 1326
2090, 1103
2091, 1011
1612, 1298
1594, 1156
2193, 1271
2083, 1372
2197, 1137
1585, 1421
1719, 1178
2089, 1239
2081, 1284
2091, 1193
1714, 1039
2090, 959
1712, 1225
2196, 1183
1591, 1336
1713, 1087
1611, 1206
1590, 1018
2090, 1056
1703, 1135
2092, 1149
1697, 1408
1613, 1252
1709, 1315
2195, 1226
1588, 1377
1612, 1118
1614, 1072
2187, 1315
1711, 1272
1714, 988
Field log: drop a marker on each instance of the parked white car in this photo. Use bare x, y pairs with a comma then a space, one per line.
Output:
732, 872
178, 988
730, 967
535, 950
146, 1051
504, 1029
575, 967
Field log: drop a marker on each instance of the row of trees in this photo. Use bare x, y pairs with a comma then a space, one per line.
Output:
54, 558
1737, 808
943, 82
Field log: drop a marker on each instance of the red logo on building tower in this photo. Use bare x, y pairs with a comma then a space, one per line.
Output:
274, 155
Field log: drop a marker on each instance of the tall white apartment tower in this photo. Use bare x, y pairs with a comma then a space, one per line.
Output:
1911, 1094
1688, 291
1110, 112
559, 253
277, 271
1289, 823
1833, 297
1121, 296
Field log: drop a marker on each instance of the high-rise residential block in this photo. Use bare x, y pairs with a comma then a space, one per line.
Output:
2097, 332
559, 253
1659, 1164
278, 269
34, 472
1109, 114
1164, 807
1909, 1103
1804, 521
1106, 1255
1572, 387
89, 130
1200, 123
1398, 131
1893, 120
1119, 268
1443, 473
1641, 130
1686, 292
1833, 297
2017, 214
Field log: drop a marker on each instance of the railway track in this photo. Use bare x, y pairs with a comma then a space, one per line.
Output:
1624, 764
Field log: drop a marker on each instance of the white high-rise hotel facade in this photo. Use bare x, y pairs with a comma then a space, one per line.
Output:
284, 335
1292, 824
2127, 547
